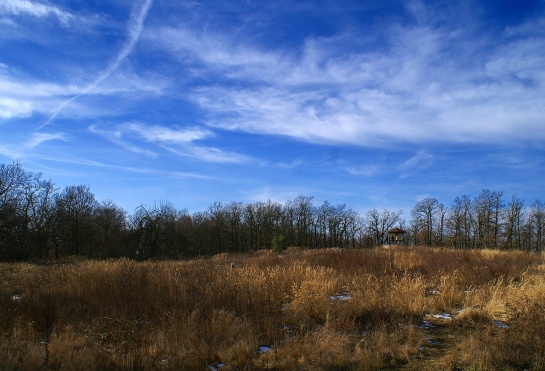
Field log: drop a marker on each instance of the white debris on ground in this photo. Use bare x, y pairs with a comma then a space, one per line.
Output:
343, 296
445, 316
263, 350
426, 325
216, 367
433, 292
500, 324
17, 297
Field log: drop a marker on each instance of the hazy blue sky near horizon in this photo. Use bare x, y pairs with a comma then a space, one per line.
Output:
375, 104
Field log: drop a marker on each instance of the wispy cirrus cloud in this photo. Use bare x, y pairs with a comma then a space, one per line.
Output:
131, 169
134, 30
178, 140
16, 148
262, 94
22, 96
34, 9
364, 170
39, 138
162, 134
421, 160
216, 155
116, 136
10, 108
431, 82
210, 154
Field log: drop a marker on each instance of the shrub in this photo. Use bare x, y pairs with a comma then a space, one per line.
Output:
279, 243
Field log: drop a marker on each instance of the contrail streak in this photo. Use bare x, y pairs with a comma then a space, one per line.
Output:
134, 30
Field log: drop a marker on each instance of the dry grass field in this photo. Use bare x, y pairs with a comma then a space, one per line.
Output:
404, 308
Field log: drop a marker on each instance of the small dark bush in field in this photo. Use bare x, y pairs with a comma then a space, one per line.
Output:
279, 243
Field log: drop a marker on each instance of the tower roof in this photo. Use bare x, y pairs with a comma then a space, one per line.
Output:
396, 231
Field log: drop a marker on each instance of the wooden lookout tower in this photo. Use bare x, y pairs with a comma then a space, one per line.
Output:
396, 236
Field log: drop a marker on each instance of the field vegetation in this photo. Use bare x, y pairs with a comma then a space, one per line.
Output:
323, 309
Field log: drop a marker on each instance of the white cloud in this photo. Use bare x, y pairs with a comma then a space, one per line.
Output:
212, 154
11, 108
21, 95
364, 170
116, 136
25, 7
429, 83
176, 140
38, 138
162, 134
15, 146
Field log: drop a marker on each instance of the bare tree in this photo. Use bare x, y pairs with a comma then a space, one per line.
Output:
218, 222
303, 211
537, 219
12, 181
75, 206
513, 222
427, 215
269, 218
42, 216
110, 226
233, 214
252, 226
380, 222
460, 222
487, 208
348, 228
156, 231
25, 199
13, 219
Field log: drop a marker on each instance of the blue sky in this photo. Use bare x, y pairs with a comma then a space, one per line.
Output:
375, 104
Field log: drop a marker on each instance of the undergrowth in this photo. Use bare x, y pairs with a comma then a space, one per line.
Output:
328, 309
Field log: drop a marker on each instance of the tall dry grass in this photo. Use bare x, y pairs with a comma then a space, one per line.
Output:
315, 309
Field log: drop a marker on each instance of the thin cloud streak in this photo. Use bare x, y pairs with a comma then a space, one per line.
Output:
161, 134
210, 154
17, 149
134, 31
165, 137
364, 170
39, 138
115, 136
418, 162
147, 171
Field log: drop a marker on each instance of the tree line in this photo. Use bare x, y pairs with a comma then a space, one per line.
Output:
39, 221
